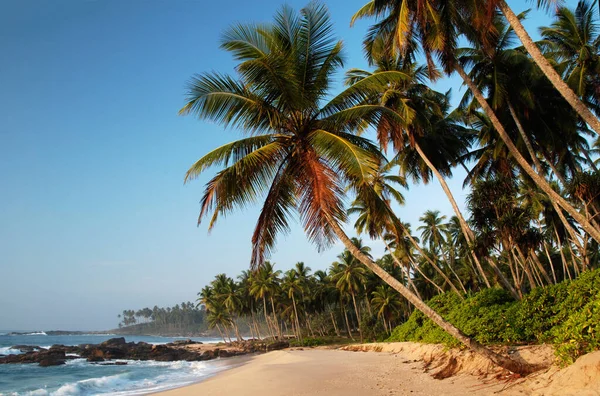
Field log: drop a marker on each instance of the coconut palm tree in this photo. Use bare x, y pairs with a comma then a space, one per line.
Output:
386, 303
403, 26
572, 41
349, 277
292, 284
264, 285
301, 152
544, 64
434, 231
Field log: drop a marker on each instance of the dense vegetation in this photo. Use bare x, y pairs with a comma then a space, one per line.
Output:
525, 131
182, 319
566, 314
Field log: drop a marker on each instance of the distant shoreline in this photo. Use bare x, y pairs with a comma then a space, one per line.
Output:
121, 332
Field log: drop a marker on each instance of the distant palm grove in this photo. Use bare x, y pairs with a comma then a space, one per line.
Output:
525, 131
182, 319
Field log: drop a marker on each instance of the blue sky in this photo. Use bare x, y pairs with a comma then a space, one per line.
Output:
94, 216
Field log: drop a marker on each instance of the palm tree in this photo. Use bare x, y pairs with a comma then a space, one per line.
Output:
543, 63
572, 41
387, 303
292, 284
219, 317
264, 285
433, 231
434, 141
349, 277
300, 153
438, 30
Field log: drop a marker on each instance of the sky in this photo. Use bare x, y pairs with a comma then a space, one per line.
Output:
94, 215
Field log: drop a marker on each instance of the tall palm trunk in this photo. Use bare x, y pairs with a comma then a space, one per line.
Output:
538, 166
427, 279
357, 315
275, 320
337, 331
255, 324
547, 68
500, 360
297, 321
347, 322
402, 267
468, 233
221, 332
449, 264
433, 264
267, 320
559, 245
550, 261
503, 280
538, 180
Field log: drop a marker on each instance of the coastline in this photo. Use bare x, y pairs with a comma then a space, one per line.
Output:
395, 369
333, 372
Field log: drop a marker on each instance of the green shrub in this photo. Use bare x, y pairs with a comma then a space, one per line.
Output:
566, 314
579, 334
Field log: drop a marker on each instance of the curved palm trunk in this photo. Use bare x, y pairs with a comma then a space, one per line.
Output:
538, 180
221, 332
547, 68
463, 223
502, 361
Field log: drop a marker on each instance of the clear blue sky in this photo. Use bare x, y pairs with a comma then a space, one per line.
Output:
94, 216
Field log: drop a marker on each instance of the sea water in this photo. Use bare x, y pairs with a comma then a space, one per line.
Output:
78, 377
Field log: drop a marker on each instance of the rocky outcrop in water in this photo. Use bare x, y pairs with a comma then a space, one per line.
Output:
118, 348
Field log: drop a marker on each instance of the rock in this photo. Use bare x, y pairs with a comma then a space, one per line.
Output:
51, 362
114, 342
185, 342
94, 359
274, 346
27, 348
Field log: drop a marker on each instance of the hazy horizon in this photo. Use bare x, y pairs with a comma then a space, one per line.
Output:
95, 217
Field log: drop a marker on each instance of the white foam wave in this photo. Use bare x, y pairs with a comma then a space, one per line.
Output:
34, 333
103, 384
9, 351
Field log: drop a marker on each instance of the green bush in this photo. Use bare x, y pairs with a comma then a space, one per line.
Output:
579, 334
566, 314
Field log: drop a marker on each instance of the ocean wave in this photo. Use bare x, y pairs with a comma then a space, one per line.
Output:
35, 333
102, 384
9, 351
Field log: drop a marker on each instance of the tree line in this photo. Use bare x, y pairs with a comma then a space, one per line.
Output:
184, 318
525, 132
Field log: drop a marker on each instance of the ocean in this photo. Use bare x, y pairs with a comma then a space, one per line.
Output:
78, 377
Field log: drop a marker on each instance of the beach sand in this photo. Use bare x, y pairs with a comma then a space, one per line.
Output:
336, 372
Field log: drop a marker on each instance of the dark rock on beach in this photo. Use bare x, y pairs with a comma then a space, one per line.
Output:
118, 348
27, 348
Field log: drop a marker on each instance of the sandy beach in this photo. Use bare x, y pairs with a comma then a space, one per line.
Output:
335, 372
